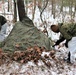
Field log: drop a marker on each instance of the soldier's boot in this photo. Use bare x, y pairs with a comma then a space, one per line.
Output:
68, 59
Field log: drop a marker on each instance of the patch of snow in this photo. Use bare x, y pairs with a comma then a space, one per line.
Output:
45, 53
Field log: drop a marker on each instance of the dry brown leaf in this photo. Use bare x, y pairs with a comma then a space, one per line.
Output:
1, 50
17, 45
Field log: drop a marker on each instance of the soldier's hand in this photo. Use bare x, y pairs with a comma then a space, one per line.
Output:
53, 46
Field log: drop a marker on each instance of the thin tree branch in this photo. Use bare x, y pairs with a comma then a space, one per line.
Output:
43, 10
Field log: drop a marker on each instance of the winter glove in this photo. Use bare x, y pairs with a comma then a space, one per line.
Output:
60, 40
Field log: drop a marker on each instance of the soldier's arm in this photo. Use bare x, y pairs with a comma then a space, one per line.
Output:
60, 40
67, 36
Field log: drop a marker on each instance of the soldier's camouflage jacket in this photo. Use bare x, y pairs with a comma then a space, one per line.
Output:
68, 30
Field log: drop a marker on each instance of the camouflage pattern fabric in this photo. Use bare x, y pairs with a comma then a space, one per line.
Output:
24, 35
68, 30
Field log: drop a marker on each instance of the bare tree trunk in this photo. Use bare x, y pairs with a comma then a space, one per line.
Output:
21, 9
61, 9
39, 3
33, 15
53, 8
26, 2
70, 8
74, 9
3, 9
45, 26
15, 12
8, 5
45, 5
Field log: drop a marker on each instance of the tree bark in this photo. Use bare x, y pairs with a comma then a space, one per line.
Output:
33, 15
40, 5
70, 8
61, 9
53, 8
15, 12
26, 2
21, 9
8, 5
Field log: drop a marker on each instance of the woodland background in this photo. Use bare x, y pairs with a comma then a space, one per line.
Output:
43, 13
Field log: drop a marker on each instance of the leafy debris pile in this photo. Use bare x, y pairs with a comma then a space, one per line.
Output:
32, 53
35, 61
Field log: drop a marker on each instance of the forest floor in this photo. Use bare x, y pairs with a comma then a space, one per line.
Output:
36, 61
